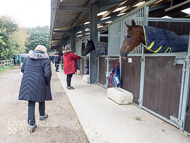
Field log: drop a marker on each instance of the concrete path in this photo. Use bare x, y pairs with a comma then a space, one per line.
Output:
104, 121
62, 125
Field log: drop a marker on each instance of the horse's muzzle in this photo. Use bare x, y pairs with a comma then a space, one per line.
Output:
84, 53
123, 53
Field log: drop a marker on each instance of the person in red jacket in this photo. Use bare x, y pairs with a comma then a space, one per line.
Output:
70, 66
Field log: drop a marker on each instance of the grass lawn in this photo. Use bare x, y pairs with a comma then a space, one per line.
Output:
7, 68
4, 69
15, 66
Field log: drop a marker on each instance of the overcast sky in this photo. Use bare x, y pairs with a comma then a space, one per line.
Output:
29, 13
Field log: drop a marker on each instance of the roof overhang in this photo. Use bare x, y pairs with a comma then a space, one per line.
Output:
67, 14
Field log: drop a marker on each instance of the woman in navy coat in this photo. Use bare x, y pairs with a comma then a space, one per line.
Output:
35, 85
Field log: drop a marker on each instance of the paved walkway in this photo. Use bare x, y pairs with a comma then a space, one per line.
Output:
104, 121
62, 126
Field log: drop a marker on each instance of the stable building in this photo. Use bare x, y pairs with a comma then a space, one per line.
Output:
158, 81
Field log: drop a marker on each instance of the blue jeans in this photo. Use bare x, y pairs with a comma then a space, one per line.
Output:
31, 111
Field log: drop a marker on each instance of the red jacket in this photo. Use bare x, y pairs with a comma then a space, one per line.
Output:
69, 59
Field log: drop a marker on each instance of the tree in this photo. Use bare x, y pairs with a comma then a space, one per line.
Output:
15, 39
6, 47
7, 27
38, 36
20, 39
8, 24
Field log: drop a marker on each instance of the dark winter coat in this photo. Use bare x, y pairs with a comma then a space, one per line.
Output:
57, 58
35, 85
52, 58
69, 59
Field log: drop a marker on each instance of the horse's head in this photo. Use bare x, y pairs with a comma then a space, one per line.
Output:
89, 47
132, 39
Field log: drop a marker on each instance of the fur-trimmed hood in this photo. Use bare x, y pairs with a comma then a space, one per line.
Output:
37, 55
66, 51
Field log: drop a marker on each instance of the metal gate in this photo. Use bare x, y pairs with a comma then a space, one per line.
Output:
105, 64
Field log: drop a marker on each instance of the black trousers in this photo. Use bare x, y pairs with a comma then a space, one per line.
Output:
69, 76
31, 111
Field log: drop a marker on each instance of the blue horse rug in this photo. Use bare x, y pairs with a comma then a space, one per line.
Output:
101, 48
164, 41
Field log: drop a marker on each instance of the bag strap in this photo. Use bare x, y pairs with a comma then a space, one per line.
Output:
116, 64
110, 80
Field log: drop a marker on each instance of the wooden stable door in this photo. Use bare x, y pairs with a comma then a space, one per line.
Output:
162, 86
130, 75
102, 70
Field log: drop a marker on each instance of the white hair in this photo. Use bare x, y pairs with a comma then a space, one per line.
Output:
41, 48
67, 47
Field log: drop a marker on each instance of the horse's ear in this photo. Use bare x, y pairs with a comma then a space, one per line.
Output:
133, 23
127, 25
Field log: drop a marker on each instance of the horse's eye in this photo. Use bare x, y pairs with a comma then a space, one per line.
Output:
129, 36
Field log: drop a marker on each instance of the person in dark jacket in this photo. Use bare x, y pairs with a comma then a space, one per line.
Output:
15, 59
19, 59
57, 60
70, 66
50, 58
35, 85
